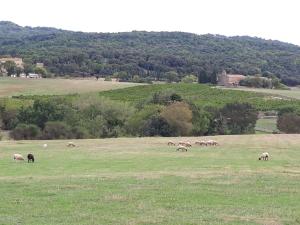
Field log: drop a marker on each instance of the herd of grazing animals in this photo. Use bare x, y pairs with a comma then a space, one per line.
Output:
30, 157
184, 145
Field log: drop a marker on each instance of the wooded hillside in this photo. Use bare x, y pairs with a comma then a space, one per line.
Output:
148, 54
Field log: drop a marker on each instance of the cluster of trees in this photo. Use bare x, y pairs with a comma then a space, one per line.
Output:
11, 68
147, 56
289, 121
258, 81
163, 114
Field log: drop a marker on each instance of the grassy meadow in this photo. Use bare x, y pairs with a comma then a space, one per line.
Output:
294, 92
21, 86
144, 181
202, 95
266, 125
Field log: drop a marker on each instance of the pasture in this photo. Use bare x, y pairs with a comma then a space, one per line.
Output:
23, 86
203, 95
144, 181
267, 125
294, 92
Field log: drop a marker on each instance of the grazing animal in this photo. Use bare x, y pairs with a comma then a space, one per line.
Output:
185, 143
71, 144
171, 143
18, 157
188, 144
214, 143
181, 143
182, 148
202, 143
209, 142
30, 158
264, 156
45, 145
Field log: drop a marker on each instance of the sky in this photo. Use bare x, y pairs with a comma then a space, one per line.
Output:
268, 19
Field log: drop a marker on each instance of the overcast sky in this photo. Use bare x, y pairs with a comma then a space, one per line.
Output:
269, 19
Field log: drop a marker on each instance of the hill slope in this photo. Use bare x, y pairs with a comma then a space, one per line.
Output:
148, 53
203, 95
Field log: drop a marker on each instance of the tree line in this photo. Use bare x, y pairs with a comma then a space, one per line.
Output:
164, 113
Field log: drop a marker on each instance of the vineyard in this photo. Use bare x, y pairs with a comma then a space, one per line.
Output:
203, 95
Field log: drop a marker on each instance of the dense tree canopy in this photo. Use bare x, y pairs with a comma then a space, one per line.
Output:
149, 54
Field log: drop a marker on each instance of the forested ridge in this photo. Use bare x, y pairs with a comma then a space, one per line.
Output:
148, 54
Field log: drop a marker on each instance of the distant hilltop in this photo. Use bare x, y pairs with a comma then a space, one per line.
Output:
149, 55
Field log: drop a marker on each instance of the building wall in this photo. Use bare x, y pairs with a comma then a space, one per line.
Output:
18, 61
225, 79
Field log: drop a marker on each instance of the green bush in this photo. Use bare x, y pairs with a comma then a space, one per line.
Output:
189, 79
289, 123
240, 118
26, 132
157, 126
56, 130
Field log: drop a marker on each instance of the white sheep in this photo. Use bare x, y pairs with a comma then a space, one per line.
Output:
264, 156
185, 143
45, 145
188, 144
18, 157
182, 148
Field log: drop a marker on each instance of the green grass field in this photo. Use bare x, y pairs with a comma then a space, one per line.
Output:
202, 95
266, 124
293, 93
23, 86
143, 181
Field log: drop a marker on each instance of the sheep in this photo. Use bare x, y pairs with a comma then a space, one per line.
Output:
188, 144
201, 143
185, 143
264, 156
211, 143
182, 148
171, 143
30, 158
181, 143
18, 157
214, 143
71, 144
45, 145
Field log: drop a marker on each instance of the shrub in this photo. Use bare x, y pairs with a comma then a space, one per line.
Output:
171, 76
157, 126
9, 119
137, 122
56, 130
257, 82
200, 121
108, 78
289, 123
189, 79
179, 117
240, 117
165, 97
25, 132
103, 117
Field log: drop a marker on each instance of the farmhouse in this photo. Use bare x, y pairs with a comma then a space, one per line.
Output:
33, 75
17, 61
229, 80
